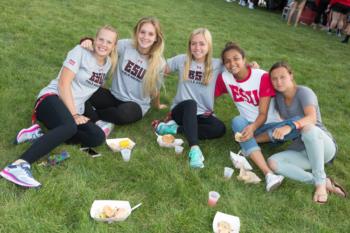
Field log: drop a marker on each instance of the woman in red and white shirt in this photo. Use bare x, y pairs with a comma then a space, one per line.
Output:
252, 93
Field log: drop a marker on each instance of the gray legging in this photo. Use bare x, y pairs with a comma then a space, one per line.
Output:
53, 113
319, 149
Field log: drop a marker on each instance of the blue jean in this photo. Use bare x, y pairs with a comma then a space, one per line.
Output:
248, 147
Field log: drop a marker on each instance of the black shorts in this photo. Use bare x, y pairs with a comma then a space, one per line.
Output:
341, 8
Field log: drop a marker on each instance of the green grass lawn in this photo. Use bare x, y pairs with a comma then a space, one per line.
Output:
34, 39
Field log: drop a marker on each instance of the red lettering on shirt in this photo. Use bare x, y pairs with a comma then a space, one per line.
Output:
71, 62
240, 95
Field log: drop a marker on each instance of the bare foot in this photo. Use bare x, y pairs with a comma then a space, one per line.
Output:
321, 194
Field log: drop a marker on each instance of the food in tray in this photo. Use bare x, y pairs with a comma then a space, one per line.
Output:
168, 138
123, 144
224, 227
113, 212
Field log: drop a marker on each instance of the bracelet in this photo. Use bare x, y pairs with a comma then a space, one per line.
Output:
76, 115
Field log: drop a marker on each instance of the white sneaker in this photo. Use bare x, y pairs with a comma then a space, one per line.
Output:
273, 181
251, 6
20, 174
242, 3
106, 127
29, 134
228, 1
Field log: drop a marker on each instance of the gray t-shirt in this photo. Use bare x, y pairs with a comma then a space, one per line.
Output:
193, 88
128, 84
304, 97
89, 76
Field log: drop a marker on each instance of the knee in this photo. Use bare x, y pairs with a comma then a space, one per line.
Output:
97, 139
132, 112
220, 129
239, 123
70, 129
310, 132
190, 104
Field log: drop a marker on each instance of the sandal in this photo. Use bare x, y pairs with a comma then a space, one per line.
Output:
336, 186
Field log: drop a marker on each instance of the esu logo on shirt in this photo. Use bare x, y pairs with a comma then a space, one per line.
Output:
97, 79
134, 70
240, 95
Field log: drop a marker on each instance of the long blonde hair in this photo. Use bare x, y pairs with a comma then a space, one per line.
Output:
208, 70
114, 54
156, 60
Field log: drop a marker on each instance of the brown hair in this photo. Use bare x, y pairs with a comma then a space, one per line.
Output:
232, 46
281, 64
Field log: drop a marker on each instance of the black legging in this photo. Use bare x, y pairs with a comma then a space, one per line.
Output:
320, 12
53, 113
110, 109
195, 126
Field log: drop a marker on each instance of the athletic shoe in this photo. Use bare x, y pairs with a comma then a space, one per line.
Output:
242, 3
29, 134
106, 127
196, 158
20, 174
228, 0
273, 181
338, 33
167, 128
251, 5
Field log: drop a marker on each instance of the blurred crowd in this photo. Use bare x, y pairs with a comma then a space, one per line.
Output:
332, 16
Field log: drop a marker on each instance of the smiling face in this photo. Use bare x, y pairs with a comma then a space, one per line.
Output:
146, 37
282, 79
105, 42
234, 61
199, 47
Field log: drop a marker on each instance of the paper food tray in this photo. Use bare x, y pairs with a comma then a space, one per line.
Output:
230, 219
97, 206
177, 142
237, 160
114, 144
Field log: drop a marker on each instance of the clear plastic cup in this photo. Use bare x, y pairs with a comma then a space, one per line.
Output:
126, 154
179, 149
228, 172
213, 198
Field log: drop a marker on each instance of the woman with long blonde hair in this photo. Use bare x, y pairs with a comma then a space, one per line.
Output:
137, 78
193, 106
60, 106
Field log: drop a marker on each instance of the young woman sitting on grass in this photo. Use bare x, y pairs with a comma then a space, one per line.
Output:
193, 105
252, 93
60, 105
314, 148
137, 77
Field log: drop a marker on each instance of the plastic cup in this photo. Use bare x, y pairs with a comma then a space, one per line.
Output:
126, 154
213, 198
179, 149
228, 172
